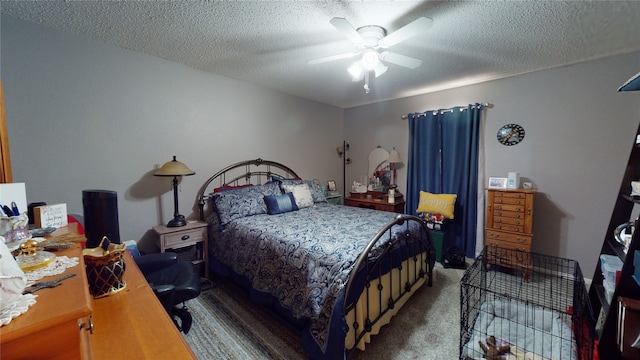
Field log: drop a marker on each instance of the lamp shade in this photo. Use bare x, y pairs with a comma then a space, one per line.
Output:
174, 168
394, 157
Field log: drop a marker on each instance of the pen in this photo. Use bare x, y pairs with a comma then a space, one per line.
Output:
14, 208
7, 211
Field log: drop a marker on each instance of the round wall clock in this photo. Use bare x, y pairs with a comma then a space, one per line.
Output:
510, 134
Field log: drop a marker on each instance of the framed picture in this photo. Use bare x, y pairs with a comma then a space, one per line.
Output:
331, 185
497, 183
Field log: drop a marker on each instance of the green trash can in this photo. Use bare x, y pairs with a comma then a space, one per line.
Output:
438, 237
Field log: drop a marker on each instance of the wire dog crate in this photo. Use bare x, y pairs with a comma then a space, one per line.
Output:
543, 310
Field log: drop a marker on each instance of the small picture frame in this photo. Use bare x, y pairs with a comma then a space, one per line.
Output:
497, 183
331, 185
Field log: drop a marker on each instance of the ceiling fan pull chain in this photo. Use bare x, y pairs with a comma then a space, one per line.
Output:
366, 81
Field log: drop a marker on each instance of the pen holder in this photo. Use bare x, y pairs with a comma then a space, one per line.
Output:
15, 228
105, 268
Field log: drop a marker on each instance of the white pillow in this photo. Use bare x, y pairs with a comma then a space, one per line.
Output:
301, 193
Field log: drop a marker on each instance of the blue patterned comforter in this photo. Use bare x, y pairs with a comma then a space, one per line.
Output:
303, 258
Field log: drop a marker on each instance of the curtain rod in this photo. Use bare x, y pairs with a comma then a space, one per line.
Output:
489, 105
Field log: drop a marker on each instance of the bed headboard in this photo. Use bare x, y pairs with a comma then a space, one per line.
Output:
254, 172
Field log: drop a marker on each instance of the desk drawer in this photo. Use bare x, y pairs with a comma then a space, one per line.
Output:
183, 238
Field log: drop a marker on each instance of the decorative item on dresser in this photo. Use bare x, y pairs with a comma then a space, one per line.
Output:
376, 200
510, 226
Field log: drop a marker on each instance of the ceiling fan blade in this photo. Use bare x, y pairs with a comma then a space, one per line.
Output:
410, 30
331, 58
347, 30
401, 60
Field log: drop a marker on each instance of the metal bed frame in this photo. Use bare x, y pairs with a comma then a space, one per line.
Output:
368, 267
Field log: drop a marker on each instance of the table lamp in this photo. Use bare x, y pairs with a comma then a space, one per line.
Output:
394, 161
175, 168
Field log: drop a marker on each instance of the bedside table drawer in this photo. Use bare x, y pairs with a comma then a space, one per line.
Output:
183, 238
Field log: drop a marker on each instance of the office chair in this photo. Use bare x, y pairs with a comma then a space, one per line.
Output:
173, 282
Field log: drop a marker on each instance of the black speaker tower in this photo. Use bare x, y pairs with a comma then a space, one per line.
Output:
100, 216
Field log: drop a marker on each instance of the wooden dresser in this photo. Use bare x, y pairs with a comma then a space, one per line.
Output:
51, 327
509, 226
376, 200
67, 323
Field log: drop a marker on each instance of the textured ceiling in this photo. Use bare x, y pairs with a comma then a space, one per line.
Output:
267, 43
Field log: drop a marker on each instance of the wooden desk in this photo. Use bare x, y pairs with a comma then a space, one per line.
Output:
131, 324
376, 200
50, 328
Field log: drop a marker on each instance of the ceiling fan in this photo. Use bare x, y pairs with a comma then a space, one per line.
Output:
369, 40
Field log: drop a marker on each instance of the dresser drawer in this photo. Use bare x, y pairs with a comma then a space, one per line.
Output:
508, 224
503, 195
509, 214
507, 227
511, 241
509, 201
515, 221
183, 238
376, 204
509, 207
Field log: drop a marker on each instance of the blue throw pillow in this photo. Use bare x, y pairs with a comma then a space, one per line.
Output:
278, 204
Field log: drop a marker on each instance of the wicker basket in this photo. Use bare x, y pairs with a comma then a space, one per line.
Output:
105, 268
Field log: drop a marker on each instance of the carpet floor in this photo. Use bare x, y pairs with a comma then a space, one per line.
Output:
227, 325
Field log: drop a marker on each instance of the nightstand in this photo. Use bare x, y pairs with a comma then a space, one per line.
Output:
189, 242
334, 199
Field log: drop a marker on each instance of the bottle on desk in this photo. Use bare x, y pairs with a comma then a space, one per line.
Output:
392, 196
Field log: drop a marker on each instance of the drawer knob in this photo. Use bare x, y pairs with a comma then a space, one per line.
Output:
185, 237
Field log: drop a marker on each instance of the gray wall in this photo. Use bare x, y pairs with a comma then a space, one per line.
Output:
86, 115
579, 132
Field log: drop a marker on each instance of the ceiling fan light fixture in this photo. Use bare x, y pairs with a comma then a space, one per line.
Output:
356, 71
370, 59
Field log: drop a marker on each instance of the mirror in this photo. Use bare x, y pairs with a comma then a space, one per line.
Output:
377, 159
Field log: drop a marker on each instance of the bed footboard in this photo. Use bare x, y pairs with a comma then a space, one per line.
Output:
385, 276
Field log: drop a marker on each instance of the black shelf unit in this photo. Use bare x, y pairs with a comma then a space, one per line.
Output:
626, 286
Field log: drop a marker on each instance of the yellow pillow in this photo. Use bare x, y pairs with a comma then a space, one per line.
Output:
437, 203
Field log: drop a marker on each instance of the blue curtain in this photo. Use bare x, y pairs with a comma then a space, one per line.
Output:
443, 159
